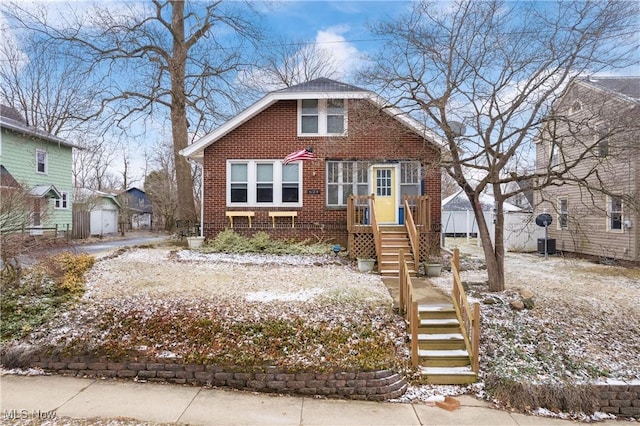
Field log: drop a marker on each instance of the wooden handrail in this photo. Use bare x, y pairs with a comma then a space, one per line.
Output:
414, 239
420, 207
375, 229
408, 307
468, 318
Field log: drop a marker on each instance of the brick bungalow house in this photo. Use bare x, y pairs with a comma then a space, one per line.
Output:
358, 159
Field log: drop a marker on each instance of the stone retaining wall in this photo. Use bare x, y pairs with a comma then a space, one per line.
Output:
373, 386
622, 400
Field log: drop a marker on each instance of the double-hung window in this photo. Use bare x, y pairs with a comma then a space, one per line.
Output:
320, 117
63, 201
263, 183
41, 161
339, 182
614, 213
563, 213
409, 179
602, 142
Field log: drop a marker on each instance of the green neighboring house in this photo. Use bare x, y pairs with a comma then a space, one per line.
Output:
42, 163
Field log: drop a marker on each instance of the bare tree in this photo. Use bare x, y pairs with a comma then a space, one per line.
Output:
16, 214
285, 63
170, 54
161, 188
496, 67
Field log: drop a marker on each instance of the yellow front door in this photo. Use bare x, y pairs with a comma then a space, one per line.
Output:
384, 182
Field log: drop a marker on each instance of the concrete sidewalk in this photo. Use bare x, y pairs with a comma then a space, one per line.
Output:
42, 398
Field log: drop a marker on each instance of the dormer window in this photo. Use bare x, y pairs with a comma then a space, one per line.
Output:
320, 117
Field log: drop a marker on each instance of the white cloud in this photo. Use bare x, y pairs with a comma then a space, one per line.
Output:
346, 56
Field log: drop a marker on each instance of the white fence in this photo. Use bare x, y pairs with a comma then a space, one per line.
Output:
520, 230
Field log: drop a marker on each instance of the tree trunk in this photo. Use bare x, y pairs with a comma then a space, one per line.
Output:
186, 205
493, 253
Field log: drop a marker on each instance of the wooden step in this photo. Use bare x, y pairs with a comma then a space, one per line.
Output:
443, 357
441, 341
448, 375
436, 311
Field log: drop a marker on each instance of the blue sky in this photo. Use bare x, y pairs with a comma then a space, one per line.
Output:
340, 26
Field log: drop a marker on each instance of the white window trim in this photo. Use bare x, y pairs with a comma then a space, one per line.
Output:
62, 203
554, 156
559, 226
322, 119
46, 161
252, 180
608, 216
602, 138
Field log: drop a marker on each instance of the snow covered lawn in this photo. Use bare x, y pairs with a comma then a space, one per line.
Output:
289, 311
584, 327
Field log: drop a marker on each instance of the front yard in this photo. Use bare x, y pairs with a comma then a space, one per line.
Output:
243, 310
320, 313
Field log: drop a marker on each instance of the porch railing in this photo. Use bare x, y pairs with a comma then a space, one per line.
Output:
358, 208
468, 317
420, 208
414, 237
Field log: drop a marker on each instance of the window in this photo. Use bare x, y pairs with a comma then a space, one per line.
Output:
62, 202
239, 184
553, 149
602, 141
409, 179
291, 183
339, 182
614, 213
321, 117
352, 177
309, 116
563, 213
41, 161
575, 107
383, 182
263, 183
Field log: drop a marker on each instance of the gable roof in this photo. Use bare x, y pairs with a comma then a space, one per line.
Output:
321, 85
460, 202
627, 87
11, 119
321, 88
40, 191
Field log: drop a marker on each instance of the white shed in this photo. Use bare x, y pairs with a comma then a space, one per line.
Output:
103, 209
458, 220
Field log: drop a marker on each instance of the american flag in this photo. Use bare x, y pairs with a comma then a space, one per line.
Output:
303, 154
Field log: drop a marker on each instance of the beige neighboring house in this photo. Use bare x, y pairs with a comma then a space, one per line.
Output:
597, 130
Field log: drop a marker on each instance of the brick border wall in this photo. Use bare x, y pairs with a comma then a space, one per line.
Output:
622, 400
372, 386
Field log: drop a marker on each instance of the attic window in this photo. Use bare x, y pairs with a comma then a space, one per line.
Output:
321, 117
576, 106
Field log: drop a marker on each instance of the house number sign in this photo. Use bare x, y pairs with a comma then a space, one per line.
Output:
313, 191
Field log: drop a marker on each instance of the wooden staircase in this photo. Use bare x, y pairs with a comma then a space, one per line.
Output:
442, 355
393, 239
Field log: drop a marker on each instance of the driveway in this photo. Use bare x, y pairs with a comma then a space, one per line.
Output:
110, 244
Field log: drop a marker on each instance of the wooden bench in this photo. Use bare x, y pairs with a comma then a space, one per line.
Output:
292, 215
248, 215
